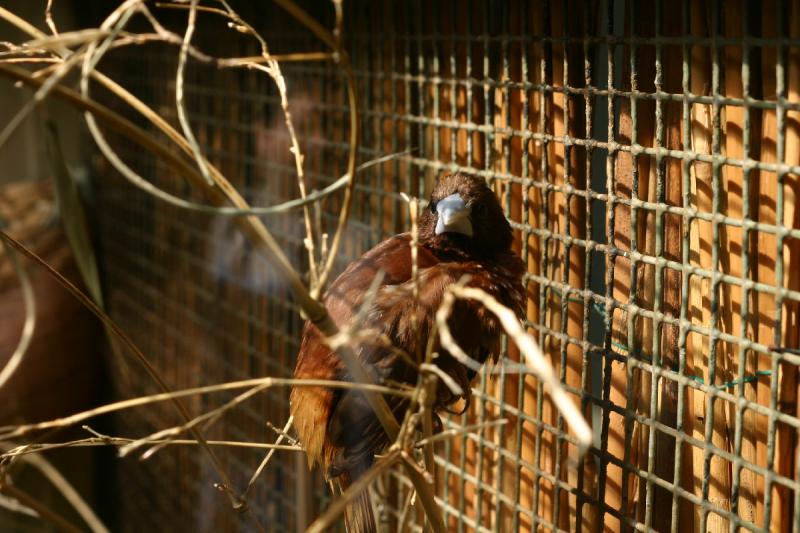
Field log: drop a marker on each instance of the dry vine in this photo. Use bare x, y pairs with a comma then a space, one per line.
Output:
63, 53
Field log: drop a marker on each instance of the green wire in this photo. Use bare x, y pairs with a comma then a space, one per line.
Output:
601, 309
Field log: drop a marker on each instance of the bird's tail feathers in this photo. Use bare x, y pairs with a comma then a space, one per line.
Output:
358, 515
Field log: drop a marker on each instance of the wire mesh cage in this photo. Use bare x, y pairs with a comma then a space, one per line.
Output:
648, 157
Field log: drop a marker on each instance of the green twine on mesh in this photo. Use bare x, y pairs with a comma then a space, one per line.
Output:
599, 308
733, 383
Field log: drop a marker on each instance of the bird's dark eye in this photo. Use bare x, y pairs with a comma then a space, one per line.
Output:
432, 206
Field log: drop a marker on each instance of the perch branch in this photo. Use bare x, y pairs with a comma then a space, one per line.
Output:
19, 431
27, 449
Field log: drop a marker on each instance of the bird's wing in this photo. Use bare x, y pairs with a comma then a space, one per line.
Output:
407, 324
311, 406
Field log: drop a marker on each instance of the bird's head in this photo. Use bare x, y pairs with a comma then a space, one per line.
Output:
464, 213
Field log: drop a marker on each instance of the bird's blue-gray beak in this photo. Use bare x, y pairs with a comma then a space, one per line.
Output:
453, 216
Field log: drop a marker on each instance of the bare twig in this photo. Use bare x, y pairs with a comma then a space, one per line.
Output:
208, 417
48, 17
66, 39
21, 430
281, 435
204, 9
285, 434
337, 28
250, 61
103, 440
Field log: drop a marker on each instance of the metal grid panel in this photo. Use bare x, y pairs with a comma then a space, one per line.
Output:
643, 152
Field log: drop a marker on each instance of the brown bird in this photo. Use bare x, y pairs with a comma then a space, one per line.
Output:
462, 232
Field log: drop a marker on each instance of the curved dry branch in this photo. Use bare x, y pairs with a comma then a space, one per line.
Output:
352, 96
534, 358
179, 105
28, 327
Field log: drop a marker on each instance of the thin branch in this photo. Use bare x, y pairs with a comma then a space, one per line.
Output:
19, 431
48, 17
66, 39
203, 9
121, 441
339, 19
257, 60
283, 434
209, 417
